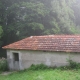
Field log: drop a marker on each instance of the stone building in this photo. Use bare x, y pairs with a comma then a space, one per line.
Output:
51, 50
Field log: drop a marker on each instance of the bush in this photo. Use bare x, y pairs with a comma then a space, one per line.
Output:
73, 65
38, 67
3, 64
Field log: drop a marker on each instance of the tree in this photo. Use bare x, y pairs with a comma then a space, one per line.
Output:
62, 17
1, 32
76, 8
23, 15
22, 18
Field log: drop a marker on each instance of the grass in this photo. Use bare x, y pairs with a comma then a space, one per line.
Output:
49, 74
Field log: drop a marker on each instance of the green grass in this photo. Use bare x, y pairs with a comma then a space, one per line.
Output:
49, 74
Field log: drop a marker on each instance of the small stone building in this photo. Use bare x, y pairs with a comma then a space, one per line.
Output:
51, 50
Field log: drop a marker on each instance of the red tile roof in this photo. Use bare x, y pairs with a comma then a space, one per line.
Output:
67, 43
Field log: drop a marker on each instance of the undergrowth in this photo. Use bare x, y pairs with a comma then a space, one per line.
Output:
72, 65
3, 64
38, 67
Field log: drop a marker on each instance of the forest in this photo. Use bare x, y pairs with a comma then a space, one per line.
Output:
22, 18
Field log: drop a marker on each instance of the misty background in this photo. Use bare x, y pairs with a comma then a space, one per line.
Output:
23, 18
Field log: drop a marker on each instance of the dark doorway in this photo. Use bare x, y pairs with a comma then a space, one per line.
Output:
16, 61
16, 56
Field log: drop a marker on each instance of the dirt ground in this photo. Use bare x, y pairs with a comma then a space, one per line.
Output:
6, 73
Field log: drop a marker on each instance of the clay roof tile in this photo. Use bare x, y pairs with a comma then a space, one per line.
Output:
67, 43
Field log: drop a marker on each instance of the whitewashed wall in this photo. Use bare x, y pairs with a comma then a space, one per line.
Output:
27, 58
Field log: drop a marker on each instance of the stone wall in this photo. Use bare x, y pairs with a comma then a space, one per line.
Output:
27, 58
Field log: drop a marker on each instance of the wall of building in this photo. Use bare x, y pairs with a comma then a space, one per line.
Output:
48, 58
27, 58
10, 59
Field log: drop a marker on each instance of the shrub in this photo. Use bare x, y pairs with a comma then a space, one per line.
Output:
3, 64
73, 65
38, 67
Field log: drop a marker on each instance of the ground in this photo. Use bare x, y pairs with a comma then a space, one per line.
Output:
7, 72
56, 74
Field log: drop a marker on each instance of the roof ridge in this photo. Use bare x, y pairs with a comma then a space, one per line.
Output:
76, 35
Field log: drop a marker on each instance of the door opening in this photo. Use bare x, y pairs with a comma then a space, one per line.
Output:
16, 61
16, 56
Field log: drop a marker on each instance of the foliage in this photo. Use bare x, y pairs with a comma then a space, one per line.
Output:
1, 34
23, 18
38, 67
1, 31
63, 15
73, 65
3, 64
24, 15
